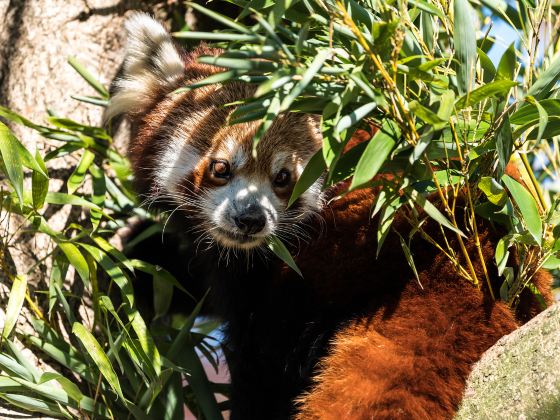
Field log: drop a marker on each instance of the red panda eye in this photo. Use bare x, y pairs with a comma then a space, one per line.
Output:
282, 178
220, 169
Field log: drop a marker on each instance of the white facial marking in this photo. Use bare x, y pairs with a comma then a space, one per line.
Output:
178, 160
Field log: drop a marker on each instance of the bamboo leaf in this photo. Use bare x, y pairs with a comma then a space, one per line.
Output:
500, 87
546, 81
88, 77
276, 246
465, 44
79, 174
432, 211
527, 206
76, 260
312, 172
375, 154
99, 357
15, 302
39, 183
493, 190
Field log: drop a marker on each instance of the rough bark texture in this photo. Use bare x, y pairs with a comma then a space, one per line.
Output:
518, 377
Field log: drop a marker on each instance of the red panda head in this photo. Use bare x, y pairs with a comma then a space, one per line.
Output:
186, 155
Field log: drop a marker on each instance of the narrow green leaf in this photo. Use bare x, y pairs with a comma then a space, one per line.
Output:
504, 144
95, 351
88, 77
73, 200
76, 260
506, 67
238, 63
355, 116
545, 81
527, 206
219, 18
432, 211
67, 385
501, 254
529, 113
375, 153
426, 114
15, 302
446, 105
12, 160
79, 174
306, 78
500, 87
465, 44
276, 246
215, 36
312, 172
39, 183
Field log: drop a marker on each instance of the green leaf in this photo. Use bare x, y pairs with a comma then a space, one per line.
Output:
446, 105
159, 274
426, 114
487, 66
79, 174
73, 200
306, 78
15, 302
506, 67
10, 148
312, 172
529, 113
76, 260
278, 247
504, 144
501, 253
527, 206
67, 385
432, 211
546, 80
238, 63
95, 351
386, 218
355, 116
88, 77
465, 44
39, 183
375, 153
493, 190
10, 366
219, 18
552, 263
215, 36
500, 87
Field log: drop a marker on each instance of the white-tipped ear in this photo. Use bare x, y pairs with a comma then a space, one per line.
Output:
152, 64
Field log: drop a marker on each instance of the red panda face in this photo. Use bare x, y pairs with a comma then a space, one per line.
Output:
185, 154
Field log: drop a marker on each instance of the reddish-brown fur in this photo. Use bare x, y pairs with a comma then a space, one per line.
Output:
409, 354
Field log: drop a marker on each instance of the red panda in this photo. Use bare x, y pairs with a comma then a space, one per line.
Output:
358, 337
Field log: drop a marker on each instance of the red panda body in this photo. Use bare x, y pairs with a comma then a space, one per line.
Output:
358, 337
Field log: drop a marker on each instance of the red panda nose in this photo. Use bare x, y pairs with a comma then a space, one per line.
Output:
251, 222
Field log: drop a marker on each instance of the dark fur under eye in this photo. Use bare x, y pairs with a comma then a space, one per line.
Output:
282, 179
220, 169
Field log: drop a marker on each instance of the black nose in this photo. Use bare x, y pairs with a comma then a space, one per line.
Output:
251, 222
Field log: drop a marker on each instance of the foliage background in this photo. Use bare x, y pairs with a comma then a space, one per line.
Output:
448, 120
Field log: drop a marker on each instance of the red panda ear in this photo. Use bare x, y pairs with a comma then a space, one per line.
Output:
152, 65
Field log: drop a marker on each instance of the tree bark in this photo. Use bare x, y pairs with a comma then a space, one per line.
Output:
518, 377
